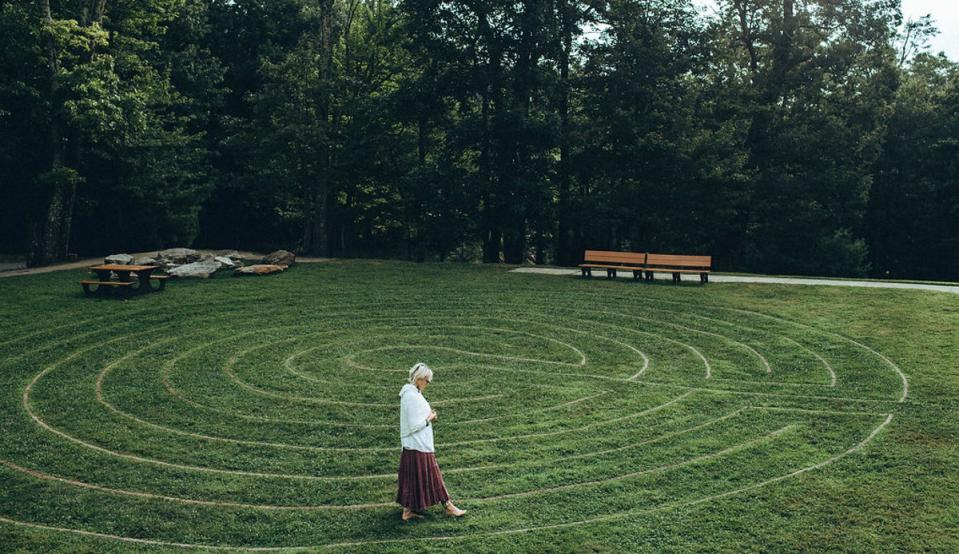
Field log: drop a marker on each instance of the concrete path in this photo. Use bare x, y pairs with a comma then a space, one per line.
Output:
80, 264
713, 278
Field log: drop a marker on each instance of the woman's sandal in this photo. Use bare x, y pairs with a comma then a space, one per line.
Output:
453, 511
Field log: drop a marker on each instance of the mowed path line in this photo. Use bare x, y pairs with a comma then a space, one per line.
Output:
104, 373
372, 505
597, 519
141, 459
689, 391
886, 361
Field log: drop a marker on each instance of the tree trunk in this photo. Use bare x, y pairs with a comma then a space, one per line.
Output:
46, 246
316, 236
422, 130
783, 49
746, 34
514, 243
492, 239
489, 226
51, 236
563, 254
490, 232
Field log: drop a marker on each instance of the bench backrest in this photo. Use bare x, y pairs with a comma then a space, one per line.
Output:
602, 256
673, 260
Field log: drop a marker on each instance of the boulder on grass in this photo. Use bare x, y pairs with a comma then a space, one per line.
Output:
280, 257
119, 259
259, 269
201, 269
178, 256
144, 261
232, 254
228, 263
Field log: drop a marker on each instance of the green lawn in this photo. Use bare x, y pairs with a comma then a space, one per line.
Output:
574, 415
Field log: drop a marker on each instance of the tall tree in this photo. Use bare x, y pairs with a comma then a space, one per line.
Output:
99, 103
821, 75
70, 48
915, 199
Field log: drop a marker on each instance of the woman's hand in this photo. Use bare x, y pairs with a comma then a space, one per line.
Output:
432, 417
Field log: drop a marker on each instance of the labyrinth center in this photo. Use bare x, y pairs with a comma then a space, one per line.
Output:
227, 423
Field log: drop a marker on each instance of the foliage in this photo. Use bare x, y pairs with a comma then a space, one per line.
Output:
779, 136
915, 199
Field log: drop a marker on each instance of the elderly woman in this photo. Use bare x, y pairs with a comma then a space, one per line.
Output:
420, 481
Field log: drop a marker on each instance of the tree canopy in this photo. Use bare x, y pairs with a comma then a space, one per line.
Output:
780, 136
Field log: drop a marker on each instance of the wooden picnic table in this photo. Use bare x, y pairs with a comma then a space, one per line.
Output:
144, 274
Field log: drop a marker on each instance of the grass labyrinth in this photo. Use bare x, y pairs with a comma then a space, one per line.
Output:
263, 413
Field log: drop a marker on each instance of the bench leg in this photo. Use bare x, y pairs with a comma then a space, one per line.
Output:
649, 275
610, 273
162, 284
586, 272
676, 277
86, 290
703, 278
637, 275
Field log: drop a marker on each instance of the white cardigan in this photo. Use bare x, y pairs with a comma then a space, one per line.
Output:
415, 432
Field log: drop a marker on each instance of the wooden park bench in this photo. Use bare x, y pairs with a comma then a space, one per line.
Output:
677, 265
641, 263
613, 262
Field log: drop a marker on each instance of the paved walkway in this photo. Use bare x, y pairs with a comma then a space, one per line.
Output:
714, 278
80, 264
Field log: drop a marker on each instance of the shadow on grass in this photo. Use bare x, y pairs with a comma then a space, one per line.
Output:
639, 282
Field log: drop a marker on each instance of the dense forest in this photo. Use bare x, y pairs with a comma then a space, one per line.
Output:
778, 136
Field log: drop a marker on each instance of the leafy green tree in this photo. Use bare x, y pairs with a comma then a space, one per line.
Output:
821, 76
914, 203
248, 206
125, 163
788, 136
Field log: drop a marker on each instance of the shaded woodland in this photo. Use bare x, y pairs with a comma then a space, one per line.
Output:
779, 136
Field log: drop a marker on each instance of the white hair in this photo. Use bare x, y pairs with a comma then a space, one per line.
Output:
420, 371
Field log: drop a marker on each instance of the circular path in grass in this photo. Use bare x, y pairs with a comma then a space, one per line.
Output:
263, 414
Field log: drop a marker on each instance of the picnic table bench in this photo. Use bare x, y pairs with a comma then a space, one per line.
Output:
646, 264
613, 261
678, 265
123, 282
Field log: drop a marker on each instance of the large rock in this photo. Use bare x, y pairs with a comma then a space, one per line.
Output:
201, 269
280, 257
228, 263
119, 259
144, 261
178, 256
232, 254
259, 269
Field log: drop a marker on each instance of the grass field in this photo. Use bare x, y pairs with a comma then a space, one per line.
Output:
573, 415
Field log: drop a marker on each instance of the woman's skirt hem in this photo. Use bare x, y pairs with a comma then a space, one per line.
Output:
420, 481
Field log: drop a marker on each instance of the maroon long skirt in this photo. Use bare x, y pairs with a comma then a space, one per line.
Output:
420, 481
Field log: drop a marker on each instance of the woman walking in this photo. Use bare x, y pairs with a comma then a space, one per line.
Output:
420, 481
